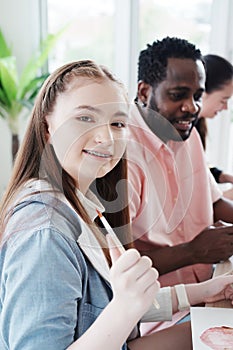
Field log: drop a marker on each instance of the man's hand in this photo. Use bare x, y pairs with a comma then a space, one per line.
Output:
213, 244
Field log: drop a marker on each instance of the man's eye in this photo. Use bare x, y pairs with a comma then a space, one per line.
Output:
176, 96
85, 118
119, 125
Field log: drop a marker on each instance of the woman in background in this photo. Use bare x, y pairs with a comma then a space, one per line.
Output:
218, 90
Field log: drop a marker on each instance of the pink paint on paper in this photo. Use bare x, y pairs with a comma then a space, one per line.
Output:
218, 338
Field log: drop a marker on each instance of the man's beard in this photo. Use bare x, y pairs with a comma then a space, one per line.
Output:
162, 127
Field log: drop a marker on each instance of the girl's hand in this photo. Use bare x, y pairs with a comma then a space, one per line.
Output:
134, 281
216, 289
219, 288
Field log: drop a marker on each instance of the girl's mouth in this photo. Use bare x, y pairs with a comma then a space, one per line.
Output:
97, 154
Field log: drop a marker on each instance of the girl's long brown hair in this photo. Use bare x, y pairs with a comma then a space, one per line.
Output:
202, 129
35, 149
219, 72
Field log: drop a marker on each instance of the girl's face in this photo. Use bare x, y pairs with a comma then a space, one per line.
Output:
87, 129
216, 101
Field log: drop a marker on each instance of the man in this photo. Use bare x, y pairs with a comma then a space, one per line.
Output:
174, 198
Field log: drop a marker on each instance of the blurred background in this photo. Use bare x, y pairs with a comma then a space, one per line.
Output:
112, 32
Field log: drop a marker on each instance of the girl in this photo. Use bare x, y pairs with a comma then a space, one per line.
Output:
57, 290
218, 90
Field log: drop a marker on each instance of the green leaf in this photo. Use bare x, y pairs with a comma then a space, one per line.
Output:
5, 51
33, 87
37, 61
4, 101
8, 77
4, 110
17, 93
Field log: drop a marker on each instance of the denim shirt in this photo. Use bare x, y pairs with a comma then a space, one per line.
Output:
50, 292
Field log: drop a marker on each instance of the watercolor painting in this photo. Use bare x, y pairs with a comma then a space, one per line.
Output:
212, 328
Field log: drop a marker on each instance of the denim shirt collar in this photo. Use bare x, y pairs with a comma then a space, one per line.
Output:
90, 202
86, 240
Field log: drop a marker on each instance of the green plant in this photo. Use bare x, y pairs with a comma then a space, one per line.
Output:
18, 92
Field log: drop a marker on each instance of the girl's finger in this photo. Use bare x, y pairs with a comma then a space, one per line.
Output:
148, 279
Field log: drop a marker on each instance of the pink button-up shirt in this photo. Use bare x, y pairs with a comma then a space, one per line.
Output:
171, 194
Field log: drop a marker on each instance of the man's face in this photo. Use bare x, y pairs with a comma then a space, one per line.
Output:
177, 99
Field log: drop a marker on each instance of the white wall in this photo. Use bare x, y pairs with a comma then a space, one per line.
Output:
21, 29
126, 41
5, 155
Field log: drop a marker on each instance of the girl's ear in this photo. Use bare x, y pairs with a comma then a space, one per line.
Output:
144, 91
47, 133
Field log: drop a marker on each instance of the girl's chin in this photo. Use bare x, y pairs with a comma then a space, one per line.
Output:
103, 171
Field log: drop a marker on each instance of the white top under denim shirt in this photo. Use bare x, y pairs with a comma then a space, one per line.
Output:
54, 275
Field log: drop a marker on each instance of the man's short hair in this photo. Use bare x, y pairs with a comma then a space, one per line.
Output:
152, 62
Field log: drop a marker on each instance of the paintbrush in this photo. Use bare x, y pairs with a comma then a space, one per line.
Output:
117, 242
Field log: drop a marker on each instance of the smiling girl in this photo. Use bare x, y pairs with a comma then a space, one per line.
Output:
218, 91
57, 289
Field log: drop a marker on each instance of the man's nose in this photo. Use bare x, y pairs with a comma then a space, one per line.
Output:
190, 106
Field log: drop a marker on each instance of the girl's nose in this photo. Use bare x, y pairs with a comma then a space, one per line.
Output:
225, 105
103, 134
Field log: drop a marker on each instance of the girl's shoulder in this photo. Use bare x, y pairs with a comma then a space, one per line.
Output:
43, 211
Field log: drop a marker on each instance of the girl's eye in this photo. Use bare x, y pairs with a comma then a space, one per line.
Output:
85, 118
118, 125
197, 97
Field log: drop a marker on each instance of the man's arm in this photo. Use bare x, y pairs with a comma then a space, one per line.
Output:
212, 245
167, 259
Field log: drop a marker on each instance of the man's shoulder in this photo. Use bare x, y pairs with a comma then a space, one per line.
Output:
195, 137
192, 147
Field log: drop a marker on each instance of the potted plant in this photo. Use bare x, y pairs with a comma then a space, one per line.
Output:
18, 92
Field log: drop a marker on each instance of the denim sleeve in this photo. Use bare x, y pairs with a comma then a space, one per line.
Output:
41, 286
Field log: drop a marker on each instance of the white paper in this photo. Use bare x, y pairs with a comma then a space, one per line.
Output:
212, 321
